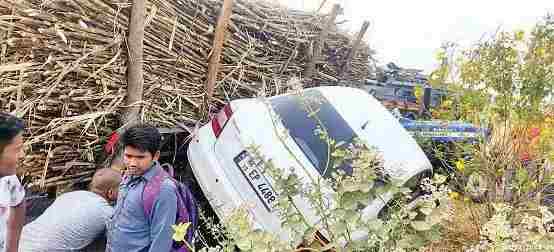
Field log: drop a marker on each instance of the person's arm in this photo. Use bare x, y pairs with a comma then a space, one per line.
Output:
164, 214
16, 218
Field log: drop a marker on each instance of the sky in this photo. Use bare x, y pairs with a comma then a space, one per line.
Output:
409, 33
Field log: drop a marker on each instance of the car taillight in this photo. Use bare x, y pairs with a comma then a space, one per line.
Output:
220, 119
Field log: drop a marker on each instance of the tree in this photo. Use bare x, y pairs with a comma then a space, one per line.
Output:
512, 74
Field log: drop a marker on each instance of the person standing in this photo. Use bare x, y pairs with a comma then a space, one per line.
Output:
12, 193
131, 229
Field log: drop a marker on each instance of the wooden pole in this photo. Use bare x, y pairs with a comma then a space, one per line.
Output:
346, 65
213, 65
314, 53
135, 75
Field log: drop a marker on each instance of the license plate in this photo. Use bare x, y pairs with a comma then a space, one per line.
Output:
250, 168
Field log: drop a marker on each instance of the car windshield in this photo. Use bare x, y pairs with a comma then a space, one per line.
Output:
302, 115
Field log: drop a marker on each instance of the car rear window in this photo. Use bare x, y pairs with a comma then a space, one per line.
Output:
294, 113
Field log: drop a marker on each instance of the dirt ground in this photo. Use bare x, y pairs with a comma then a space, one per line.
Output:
462, 230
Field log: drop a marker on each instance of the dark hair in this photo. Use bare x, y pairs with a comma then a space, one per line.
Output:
142, 137
10, 127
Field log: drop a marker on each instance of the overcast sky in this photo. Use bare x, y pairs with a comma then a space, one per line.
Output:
409, 32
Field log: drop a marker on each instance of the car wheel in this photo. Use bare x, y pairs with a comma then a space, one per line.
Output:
395, 203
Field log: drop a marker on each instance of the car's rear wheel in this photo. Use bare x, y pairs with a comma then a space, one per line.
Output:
416, 192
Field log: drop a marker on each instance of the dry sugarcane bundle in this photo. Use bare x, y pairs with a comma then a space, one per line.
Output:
63, 68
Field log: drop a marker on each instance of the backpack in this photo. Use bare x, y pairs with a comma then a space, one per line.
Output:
187, 211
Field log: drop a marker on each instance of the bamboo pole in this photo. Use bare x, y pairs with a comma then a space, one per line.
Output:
213, 65
346, 66
314, 53
135, 75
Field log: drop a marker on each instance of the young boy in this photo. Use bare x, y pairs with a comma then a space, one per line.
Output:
12, 207
130, 229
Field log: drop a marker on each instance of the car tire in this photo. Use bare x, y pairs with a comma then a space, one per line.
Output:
416, 193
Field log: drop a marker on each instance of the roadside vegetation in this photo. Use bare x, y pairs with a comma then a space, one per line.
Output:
503, 184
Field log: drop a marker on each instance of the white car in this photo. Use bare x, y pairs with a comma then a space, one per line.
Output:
230, 177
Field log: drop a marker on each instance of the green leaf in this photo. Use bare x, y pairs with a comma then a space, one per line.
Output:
432, 235
354, 187
426, 210
353, 216
421, 225
309, 234
244, 244
411, 241
439, 179
339, 228
348, 200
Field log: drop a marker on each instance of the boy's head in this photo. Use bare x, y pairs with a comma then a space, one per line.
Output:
105, 182
142, 148
11, 143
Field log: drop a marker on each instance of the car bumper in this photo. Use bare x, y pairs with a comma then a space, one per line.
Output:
218, 190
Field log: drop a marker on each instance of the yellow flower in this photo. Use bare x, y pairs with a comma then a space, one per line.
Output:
418, 92
460, 165
180, 231
454, 195
540, 52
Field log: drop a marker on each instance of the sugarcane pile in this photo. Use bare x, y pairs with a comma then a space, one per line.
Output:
63, 68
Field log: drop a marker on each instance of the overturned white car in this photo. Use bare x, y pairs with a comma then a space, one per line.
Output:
231, 177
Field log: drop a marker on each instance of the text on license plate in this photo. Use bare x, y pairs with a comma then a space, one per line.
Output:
249, 167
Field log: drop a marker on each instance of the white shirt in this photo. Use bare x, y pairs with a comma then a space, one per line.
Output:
11, 195
72, 222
